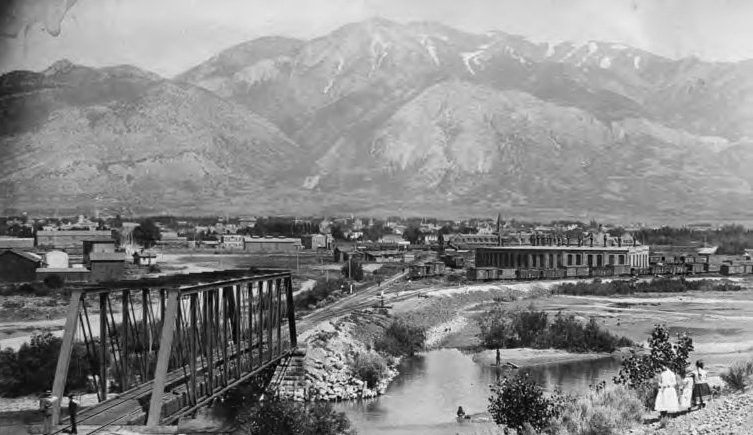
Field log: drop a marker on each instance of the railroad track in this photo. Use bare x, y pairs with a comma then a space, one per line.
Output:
359, 300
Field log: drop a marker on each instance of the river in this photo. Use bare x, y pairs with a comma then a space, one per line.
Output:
423, 399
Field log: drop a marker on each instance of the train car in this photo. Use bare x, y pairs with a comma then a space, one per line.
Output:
659, 270
640, 271
553, 273
486, 273
747, 268
731, 269
583, 272
602, 271
529, 274
694, 268
676, 269
711, 268
621, 270
506, 274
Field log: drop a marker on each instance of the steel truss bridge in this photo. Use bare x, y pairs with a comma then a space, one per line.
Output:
171, 345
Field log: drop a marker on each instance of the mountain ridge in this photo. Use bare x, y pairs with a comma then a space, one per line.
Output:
408, 117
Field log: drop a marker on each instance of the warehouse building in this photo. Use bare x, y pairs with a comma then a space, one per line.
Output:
554, 256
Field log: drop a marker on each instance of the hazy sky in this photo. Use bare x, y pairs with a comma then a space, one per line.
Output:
169, 36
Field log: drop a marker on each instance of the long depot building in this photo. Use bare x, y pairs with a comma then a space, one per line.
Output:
557, 256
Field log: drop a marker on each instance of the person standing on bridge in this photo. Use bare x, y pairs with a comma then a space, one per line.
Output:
46, 405
72, 411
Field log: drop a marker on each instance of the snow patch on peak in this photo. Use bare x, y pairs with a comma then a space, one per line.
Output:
619, 47
605, 62
637, 62
430, 48
549, 49
468, 57
379, 50
338, 70
592, 47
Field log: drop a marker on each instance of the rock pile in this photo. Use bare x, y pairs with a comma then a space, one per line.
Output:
328, 372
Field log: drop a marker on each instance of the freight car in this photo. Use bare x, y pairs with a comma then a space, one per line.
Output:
553, 273
621, 270
528, 274
695, 268
578, 272
602, 271
732, 269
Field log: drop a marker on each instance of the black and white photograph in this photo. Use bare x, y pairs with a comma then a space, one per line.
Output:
387, 217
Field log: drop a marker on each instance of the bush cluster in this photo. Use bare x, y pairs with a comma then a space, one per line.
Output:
519, 403
501, 328
638, 371
657, 285
370, 367
31, 369
323, 290
401, 338
294, 418
738, 376
606, 409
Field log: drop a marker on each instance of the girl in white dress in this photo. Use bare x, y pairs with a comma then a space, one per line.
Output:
666, 398
686, 397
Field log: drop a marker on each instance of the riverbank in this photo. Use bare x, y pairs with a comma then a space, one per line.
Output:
330, 363
729, 414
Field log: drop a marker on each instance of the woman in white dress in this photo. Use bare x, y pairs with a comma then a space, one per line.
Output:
666, 398
686, 397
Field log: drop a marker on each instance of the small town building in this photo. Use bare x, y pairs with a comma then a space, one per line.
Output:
316, 241
171, 240
71, 241
391, 256
18, 266
56, 260
106, 266
97, 246
556, 256
232, 241
17, 243
144, 258
67, 274
472, 241
272, 244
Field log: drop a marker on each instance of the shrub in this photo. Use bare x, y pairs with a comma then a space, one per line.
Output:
293, 418
31, 369
518, 401
638, 371
603, 410
530, 328
657, 285
356, 273
322, 290
737, 377
400, 338
370, 368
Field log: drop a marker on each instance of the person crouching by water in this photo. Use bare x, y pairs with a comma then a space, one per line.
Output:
666, 398
701, 387
461, 413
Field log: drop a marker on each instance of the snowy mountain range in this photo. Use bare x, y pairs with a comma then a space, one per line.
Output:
382, 117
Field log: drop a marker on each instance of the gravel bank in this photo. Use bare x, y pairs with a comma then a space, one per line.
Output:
730, 414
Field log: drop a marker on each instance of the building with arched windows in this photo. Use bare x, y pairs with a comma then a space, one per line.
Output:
559, 256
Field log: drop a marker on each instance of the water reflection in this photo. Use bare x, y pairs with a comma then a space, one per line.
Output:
424, 398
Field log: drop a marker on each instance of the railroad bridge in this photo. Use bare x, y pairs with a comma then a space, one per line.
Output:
171, 345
